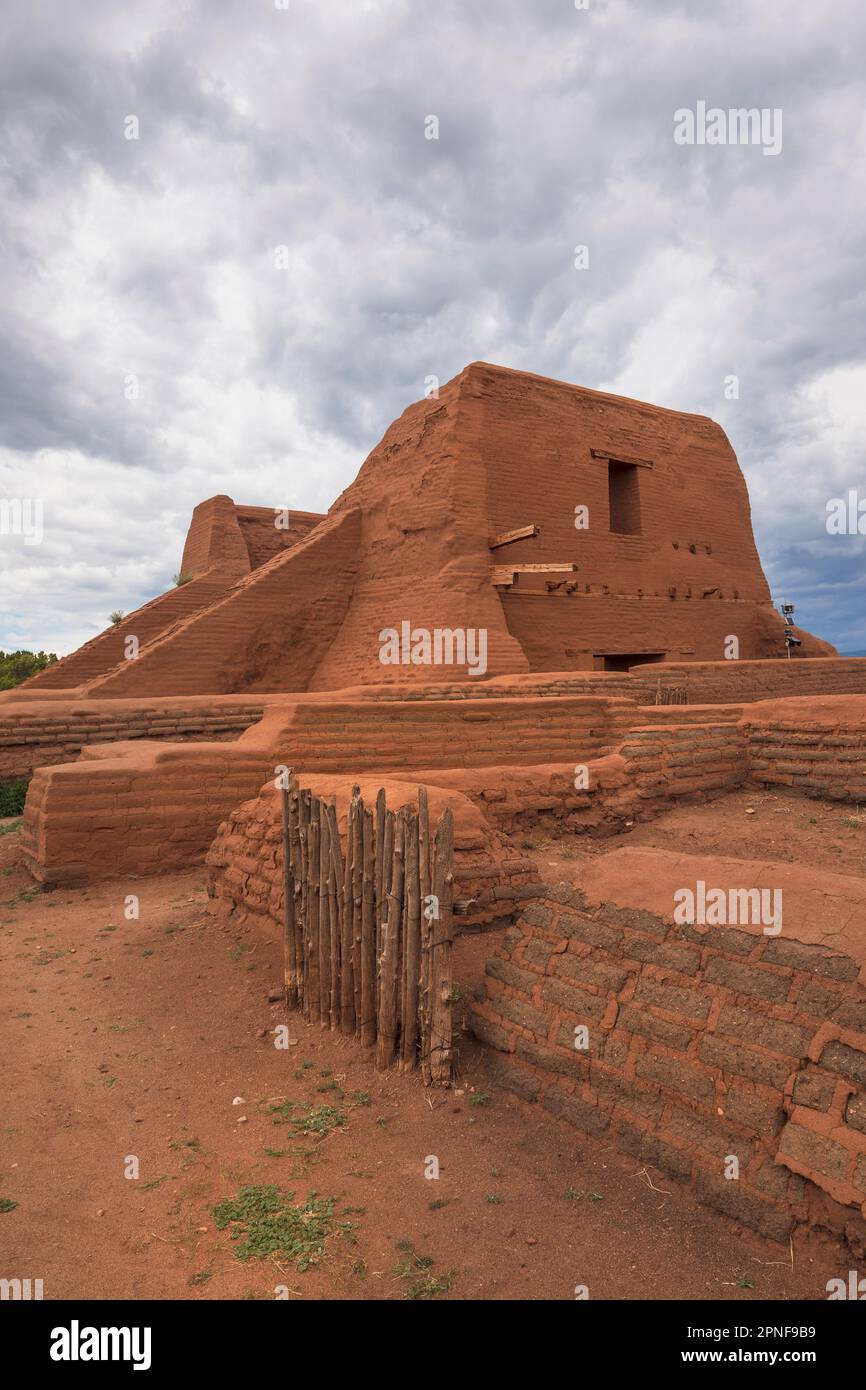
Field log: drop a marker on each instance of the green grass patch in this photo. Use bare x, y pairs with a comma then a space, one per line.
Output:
12, 798
267, 1223
415, 1270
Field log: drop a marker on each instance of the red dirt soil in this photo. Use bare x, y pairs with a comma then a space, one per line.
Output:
134, 1037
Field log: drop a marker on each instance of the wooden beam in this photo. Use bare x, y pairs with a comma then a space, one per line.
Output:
621, 458
505, 575
506, 538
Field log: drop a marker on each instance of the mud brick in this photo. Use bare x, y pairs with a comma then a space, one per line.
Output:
491, 1033
764, 1032
636, 919
649, 1149
613, 1048
753, 1113
622, 1092
674, 1035
516, 1011
742, 1061
565, 894
860, 1174
573, 1067
592, 972
589, 930
813, 1151
816, 959
684, 959
538, 952
513, 1078
575, 1001
579, 1113
814, 1090
851, 1013
748, 979
735, 1200
674, 998
716, 1139
729, 940
675, 1076
847, 1061
537, 915
779, 1182
855, 1113
818, 1000
524, 980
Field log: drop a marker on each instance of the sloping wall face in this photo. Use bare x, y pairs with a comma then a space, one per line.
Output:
424, 556
106, 651
268, 633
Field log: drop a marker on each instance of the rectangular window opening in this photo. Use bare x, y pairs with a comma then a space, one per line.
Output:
624, 498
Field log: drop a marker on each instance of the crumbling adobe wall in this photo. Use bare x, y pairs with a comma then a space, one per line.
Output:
246, 866
819, 751
702, 1043
711, 682
40, 734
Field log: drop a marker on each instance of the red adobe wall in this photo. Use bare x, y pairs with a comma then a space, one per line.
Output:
703, 1042
142, 809
40, 733
107, 650
268, 633
245, 859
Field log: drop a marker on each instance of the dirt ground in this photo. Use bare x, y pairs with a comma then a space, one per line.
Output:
152, 1039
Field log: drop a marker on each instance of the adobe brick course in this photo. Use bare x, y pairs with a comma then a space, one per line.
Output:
681, 1078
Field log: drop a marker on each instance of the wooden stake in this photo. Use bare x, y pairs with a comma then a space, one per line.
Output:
347, 993
389, 958
411, 950
335, 903
289, 947
368, 935
357, 890
303, 857
324, 915
313, 906
425, 930
381, 860
440, 963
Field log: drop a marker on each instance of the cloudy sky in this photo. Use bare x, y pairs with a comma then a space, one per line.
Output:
305, 128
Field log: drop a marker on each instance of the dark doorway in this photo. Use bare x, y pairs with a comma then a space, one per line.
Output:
621, 661
623, 488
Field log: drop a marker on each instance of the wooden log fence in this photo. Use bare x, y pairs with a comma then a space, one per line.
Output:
369, 925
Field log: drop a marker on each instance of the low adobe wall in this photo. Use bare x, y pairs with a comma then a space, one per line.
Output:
41, 733
709, 682
820, 751
703, 1043
146, 810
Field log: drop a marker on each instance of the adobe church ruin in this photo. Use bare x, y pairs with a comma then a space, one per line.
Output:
607, 697
578, 531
